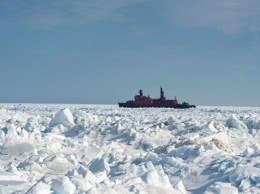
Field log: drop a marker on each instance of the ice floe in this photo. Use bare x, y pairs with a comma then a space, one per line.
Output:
104, 149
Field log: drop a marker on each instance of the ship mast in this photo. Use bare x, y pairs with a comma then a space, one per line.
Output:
141, 93
162, 93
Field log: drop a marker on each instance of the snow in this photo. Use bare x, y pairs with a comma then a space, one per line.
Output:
67, 149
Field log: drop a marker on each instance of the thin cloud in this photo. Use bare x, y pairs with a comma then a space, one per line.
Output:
228, 16
51, 14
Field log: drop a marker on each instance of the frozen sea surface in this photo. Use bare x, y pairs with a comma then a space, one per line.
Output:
49, 148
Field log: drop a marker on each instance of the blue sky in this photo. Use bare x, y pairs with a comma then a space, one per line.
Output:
98, 51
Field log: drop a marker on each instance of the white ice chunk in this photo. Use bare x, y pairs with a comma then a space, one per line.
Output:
180, 187
11, 132
119, 128
221, 188
7, 176
244, 185
82, 170
63, 186
170, 121
19, 148
24, 134
156, 177
2, 134
72, 158
88, 175
86, 180
72, 172
99, 165
152, 178
256, 123
131, 134
209, 127
248, 151
164, 179
153, 158
234, 122
243, 172
63, 117
40, 188
150, 166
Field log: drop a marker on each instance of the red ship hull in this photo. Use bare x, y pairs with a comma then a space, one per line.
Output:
132, 105
141, 101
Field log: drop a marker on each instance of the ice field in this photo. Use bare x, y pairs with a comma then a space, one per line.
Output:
94, 149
